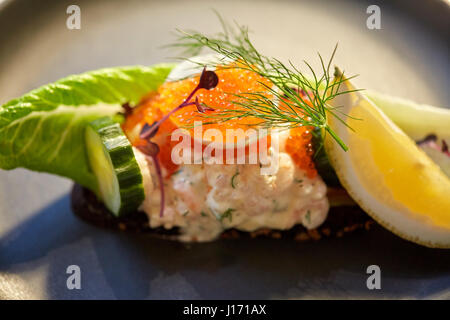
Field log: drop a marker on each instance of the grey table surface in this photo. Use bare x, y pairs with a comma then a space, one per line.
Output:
40, 237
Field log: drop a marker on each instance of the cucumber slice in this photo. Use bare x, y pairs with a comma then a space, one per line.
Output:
112, 160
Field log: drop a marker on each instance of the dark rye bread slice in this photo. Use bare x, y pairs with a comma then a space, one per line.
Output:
341, 220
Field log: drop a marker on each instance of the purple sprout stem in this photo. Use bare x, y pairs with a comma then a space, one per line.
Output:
166, 116
154, 157
210, 83
161, 184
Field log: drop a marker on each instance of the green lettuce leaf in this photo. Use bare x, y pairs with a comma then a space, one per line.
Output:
44, 129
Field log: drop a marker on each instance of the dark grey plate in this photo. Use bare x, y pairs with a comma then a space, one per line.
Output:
40, 238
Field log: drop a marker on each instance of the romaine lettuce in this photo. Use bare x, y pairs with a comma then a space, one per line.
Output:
44, 129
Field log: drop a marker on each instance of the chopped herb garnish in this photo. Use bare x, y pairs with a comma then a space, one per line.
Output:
177, 172
232, 179
203, 213
298, 180
308, 216
227, 214
276, 206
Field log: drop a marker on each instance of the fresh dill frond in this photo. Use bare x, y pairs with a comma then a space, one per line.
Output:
291, 100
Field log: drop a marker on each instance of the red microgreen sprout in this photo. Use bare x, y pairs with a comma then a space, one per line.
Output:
127, 109
201, 107
149, 131
208, 80
445, 148
431, 141
151, 149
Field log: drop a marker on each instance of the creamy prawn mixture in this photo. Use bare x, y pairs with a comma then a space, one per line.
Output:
204, 200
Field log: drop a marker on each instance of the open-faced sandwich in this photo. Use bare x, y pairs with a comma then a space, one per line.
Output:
236, 143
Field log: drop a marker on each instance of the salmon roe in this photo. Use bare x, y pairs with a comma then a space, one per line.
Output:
299, 146
232, 81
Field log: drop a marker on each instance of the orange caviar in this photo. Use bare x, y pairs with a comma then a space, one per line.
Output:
145, 113
232, 81
299, 146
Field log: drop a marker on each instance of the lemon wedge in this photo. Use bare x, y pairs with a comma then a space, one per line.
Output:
387, 174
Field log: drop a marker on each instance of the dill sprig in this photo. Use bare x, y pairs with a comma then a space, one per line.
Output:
290, 100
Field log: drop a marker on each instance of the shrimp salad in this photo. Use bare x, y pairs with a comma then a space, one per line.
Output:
205, 200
